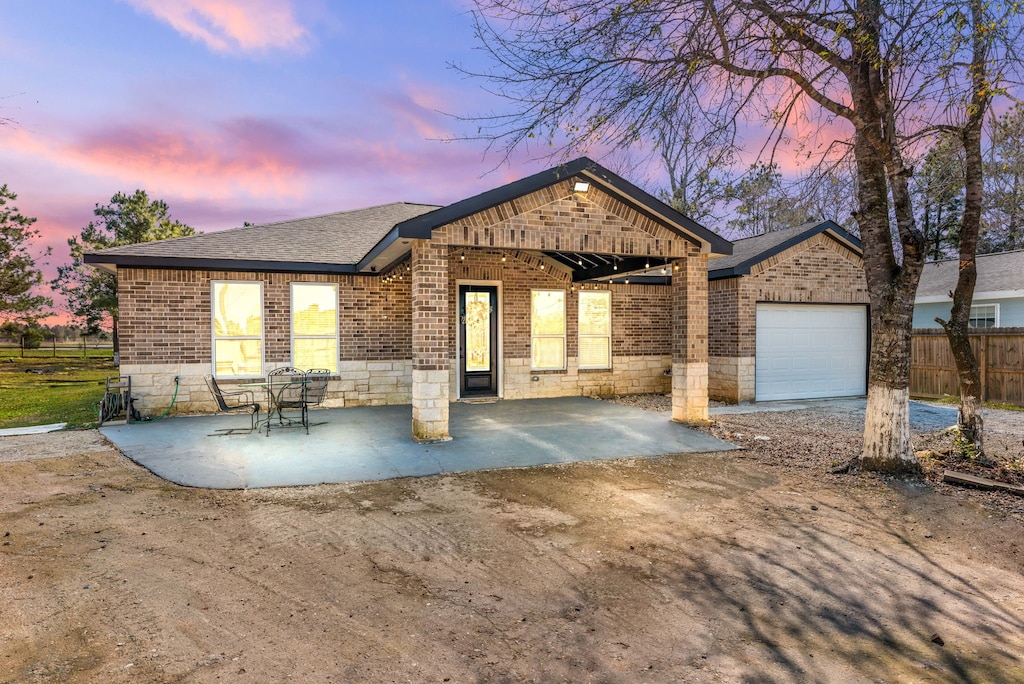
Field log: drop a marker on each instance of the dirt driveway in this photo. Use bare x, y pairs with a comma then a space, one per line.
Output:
686, 568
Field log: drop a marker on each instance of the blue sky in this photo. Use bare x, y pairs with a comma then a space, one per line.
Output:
238, 110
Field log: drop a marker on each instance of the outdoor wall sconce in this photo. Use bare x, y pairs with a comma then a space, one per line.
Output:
581, 186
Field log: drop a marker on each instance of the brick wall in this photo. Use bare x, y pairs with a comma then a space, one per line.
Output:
818, 270
556, 219
641, 327
640, 313
165, 315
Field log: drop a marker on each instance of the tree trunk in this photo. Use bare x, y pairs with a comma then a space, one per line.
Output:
957, 329
887, 439
881, 175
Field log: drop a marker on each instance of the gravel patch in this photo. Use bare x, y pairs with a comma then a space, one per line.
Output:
813, 440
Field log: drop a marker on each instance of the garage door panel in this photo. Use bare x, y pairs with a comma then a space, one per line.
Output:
810, 351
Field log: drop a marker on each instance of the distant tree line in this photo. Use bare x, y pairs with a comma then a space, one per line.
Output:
91, 294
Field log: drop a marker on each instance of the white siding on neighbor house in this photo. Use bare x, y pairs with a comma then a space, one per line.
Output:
1011, 311
810, 351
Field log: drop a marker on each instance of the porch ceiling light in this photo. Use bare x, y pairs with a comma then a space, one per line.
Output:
581, 186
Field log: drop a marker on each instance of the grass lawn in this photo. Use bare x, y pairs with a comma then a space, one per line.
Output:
40, 389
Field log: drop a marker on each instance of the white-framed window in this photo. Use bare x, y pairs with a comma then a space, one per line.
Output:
315, 326
984, 316
547, 329
595, 324
237, 328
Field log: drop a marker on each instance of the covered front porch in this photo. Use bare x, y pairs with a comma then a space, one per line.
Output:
372, 443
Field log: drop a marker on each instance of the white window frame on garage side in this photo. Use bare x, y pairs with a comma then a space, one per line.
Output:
214, 337
604, 294
535, 337
975, 314
291, 323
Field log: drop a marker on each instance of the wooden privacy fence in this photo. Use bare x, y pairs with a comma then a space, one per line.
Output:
1000, 354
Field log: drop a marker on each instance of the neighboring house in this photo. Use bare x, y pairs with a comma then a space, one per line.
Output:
788, 317
998, 295
569, 282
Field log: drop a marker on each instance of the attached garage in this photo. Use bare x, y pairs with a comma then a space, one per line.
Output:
788, 317
810, 351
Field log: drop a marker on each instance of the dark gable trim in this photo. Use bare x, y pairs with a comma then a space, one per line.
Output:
421, 226
200, 264
743, 268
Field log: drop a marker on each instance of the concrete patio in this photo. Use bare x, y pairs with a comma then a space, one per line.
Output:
374, 443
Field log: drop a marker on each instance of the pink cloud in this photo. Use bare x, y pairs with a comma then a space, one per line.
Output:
232, 25
226, 160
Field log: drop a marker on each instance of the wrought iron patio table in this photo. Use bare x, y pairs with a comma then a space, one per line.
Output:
275, 393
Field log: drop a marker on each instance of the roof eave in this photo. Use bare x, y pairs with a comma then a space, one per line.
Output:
111, 262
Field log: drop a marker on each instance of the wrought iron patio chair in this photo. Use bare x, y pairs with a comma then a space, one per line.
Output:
287, 388
247, 403
316, 389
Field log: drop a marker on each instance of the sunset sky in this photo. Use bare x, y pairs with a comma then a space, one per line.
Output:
237, 110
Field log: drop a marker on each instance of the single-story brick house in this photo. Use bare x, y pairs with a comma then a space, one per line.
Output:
569, 282
998, 294
788, 317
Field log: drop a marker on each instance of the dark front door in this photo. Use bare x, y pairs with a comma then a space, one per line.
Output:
478, 341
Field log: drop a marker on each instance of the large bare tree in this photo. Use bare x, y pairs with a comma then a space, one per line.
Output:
881, 76
987, 58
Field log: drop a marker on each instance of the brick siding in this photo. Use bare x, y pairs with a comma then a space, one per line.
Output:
818, 270
165, 315
166, 326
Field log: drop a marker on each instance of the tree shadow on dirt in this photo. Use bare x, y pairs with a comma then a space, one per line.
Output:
831, 592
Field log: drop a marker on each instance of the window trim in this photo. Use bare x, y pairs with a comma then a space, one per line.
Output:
337, 323
562, 336
995, 317
581, 295
214, 336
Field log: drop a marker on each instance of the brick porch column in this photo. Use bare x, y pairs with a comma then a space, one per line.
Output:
430, 347
690, 339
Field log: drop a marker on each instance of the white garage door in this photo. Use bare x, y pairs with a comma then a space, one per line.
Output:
807, 351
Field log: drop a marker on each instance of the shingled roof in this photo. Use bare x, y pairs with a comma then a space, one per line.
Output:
748, 252
331, 243
998, 274
374, 239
